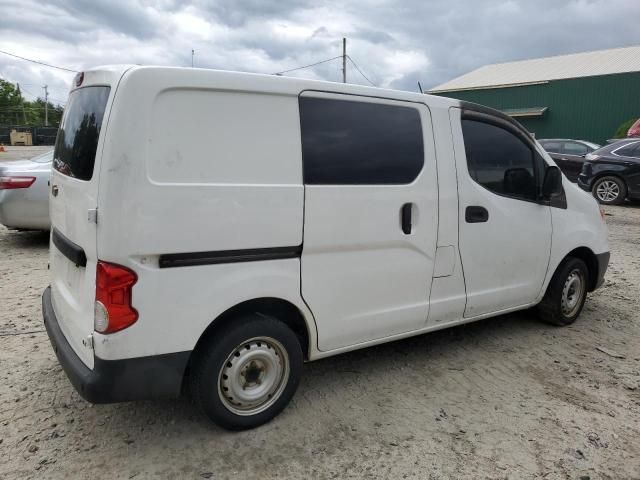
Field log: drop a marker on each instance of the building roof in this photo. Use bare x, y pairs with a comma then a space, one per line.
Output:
540, 70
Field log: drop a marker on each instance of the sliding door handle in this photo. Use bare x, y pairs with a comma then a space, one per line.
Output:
405, 218
476, 214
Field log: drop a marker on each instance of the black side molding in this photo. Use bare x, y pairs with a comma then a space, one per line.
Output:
603, 262
169, 260
72, 251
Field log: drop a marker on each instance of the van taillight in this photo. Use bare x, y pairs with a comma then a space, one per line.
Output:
9, 183
113, 310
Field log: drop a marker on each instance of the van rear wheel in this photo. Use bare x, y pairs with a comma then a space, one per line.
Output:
247, 372
566, 293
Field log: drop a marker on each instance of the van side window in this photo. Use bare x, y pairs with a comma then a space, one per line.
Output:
499, 160
347, 142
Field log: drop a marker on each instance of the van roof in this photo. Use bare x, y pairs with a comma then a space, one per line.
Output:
259, 82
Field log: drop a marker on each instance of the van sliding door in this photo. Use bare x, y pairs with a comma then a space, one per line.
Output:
370, 222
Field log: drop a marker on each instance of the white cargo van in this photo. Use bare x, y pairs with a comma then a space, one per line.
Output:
211, 231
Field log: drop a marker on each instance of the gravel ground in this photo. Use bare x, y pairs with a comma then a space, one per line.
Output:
503, 398
20, 153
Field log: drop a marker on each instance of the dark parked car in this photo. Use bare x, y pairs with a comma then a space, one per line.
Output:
568, 154
612, 172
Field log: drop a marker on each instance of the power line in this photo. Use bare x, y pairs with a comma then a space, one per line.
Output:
38, 62
63, 90
23, 90
358, 68
307, 66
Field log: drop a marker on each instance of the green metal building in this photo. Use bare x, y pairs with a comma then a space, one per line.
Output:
584, 96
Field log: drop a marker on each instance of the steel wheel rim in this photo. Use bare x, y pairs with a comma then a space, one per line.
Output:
607, 191
572, 293
253, 376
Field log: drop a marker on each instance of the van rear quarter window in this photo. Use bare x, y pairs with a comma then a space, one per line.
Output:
347, 142
77, 140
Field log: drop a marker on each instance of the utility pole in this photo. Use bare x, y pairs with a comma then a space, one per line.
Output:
46, 106
192, 53
24, 115
344, 60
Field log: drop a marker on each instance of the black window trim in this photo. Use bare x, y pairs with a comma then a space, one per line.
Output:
306, 92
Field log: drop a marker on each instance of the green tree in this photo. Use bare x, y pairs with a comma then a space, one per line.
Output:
15, 110
11, 103
622, 130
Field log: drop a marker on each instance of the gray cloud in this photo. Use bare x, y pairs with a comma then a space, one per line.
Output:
396, 43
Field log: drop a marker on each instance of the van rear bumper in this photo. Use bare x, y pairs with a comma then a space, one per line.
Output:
110, 381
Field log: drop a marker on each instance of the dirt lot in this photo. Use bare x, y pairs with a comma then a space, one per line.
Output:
503, 398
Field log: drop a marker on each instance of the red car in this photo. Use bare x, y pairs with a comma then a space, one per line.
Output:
634, 131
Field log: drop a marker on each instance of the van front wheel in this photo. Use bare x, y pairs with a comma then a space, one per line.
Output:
247, 372
566, 293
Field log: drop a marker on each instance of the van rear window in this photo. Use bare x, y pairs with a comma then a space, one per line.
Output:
77, 140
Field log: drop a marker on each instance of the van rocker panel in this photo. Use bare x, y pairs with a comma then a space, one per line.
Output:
110, 381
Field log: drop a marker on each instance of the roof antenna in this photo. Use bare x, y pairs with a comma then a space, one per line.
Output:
420, 87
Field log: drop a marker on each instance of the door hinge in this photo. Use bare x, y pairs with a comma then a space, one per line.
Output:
88, 341
92, 215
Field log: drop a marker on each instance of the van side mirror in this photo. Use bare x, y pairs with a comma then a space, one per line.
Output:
552, 184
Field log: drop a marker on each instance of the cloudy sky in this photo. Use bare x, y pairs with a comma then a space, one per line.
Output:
395, 43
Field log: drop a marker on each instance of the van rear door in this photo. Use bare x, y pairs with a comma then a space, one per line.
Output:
73, 204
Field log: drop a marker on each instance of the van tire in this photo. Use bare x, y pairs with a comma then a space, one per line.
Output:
610, 190
255, 347
566, 293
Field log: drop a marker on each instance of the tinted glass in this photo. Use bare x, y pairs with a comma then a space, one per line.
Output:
349, 143
552, 147
499, 160
630, 150
77, 140
574, 148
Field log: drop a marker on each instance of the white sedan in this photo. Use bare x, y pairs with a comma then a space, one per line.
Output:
24, 193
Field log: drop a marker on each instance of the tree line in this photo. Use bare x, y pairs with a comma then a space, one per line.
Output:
16, 110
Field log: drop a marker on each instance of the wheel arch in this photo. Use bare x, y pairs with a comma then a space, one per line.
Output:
283, 310
589, 258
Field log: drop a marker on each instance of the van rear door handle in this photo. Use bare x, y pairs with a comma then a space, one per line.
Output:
405, 218
476, 214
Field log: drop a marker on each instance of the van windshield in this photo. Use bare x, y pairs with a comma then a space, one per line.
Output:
77, 140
